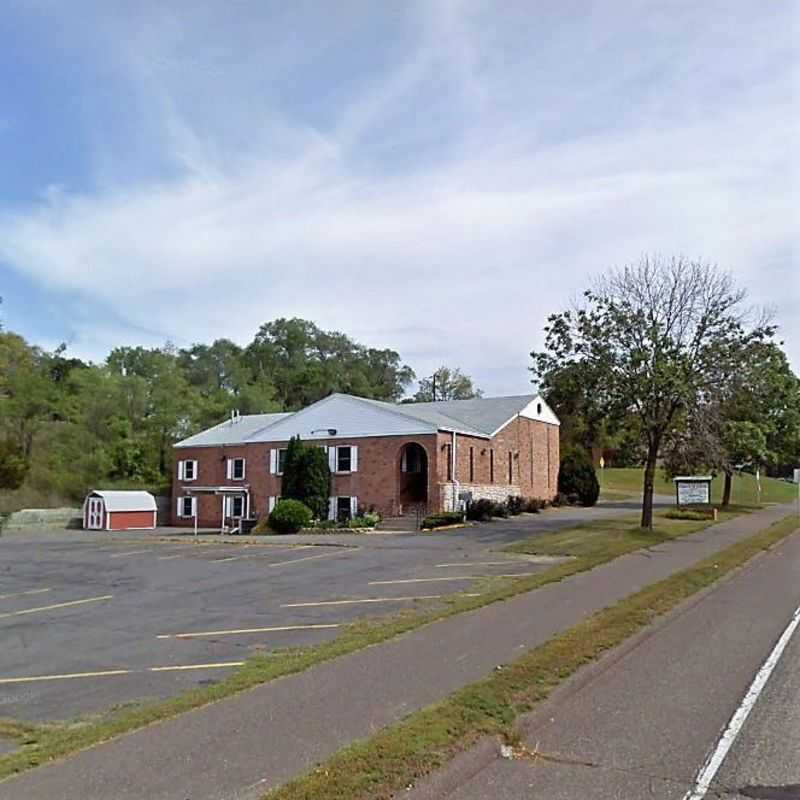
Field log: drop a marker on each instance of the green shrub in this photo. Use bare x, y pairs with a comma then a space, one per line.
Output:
515, 505
500, 510
480, 510
307, 477
690, 514
14, 466
533, 505
577, 478
442, 519
289, 516
364, 521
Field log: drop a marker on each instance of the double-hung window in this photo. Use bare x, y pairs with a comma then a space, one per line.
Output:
344, 461
277, 460
236, 469
187, 470
343, 458
187, 506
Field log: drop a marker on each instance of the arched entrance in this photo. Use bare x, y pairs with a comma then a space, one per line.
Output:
413, 483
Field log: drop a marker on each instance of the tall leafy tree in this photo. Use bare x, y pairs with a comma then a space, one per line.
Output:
751, 419
446, 383
307, 476
662, 333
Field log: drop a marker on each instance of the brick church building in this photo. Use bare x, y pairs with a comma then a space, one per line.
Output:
384, 456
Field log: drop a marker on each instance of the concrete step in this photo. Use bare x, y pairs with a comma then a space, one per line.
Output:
404, 523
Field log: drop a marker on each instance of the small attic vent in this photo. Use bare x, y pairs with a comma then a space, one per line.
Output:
538, 408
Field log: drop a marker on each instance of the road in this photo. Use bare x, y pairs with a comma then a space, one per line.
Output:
644, 721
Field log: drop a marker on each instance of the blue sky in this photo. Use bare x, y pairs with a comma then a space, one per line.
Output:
435, 176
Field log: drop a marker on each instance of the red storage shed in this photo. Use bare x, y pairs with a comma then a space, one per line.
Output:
119, 511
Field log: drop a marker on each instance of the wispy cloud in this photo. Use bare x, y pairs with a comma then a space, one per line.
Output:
473, 171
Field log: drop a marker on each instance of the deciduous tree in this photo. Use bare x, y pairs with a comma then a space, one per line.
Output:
661, 333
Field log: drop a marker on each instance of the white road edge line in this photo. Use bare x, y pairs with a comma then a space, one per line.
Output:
710, 768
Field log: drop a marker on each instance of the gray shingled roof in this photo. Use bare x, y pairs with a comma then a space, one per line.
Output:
235, 432
482, 414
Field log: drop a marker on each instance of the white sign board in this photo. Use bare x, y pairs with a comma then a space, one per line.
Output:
693, 493
797, 476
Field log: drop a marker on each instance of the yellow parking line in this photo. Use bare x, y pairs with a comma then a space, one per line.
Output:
23, 594
272, 629
485, 564
371, 600
55, 605
311, 558
219, 665
110, 672
129, 553
99, 674
451, 578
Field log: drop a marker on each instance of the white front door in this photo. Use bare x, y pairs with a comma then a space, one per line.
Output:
95, 515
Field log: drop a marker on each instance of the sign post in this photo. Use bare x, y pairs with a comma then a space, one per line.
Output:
797, 481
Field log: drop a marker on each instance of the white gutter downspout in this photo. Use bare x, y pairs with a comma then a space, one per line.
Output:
454, 461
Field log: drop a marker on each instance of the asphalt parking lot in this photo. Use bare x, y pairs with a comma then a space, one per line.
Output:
90, 622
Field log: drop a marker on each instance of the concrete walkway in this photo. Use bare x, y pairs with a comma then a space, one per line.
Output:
240, 747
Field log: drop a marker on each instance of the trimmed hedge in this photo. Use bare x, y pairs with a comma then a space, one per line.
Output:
442, 519
289, 516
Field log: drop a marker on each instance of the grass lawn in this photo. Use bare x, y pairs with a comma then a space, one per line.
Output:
629, 481
606, 539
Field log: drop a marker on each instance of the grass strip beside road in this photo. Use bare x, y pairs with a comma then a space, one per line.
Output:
615, 537
383, 765
610, 538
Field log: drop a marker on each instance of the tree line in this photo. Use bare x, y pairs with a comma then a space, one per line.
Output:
67, 425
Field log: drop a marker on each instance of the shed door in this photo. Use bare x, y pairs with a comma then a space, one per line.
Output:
95, 514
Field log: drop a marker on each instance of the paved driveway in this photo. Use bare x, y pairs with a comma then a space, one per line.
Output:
89, 621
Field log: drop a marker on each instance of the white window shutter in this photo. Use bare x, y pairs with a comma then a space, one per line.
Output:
273, 461
332, 508
244, 468
180, 470
271, 503
196, 470
180, 507
353, 506
332, 458
230, 468
354, 458
194, 506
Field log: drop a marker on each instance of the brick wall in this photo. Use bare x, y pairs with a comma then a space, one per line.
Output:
376, 483
483, 464
533, 445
